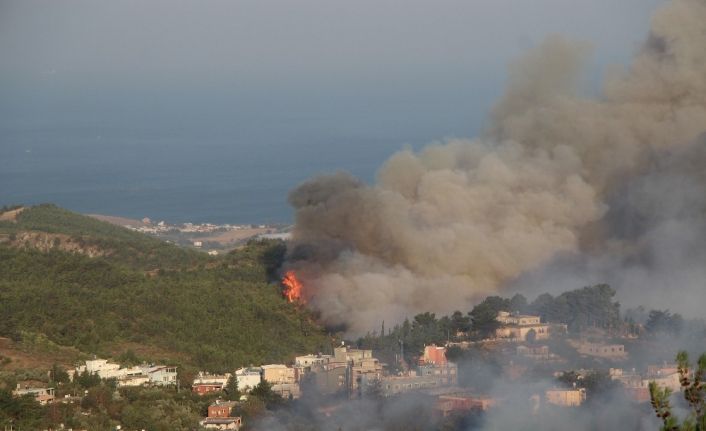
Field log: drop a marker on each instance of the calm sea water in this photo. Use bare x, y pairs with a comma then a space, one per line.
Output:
226, 179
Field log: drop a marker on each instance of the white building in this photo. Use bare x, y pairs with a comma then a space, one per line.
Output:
140, 380
212, 379
110, 370
248, 378
161, 375
309, 360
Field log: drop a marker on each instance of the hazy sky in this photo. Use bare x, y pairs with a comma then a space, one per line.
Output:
204, 64
322, 85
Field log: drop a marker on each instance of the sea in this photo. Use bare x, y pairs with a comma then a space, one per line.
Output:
190, 177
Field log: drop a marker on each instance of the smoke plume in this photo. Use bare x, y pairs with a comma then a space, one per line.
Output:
614, 186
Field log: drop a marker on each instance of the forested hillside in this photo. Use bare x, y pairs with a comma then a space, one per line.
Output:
133, 290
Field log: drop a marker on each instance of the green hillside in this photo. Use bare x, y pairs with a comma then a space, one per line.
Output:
122, 245
209, 312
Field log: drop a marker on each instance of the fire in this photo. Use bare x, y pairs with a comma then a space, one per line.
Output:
292, 287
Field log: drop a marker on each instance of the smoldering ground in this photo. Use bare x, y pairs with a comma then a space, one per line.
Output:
614, 183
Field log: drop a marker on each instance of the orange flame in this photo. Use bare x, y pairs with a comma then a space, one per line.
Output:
292, 287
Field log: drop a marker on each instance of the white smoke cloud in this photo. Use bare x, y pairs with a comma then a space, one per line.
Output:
463, 218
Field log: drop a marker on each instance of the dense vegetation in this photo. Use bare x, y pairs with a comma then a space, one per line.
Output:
102, 406
123, 246
214, 313
578, 309
693, 389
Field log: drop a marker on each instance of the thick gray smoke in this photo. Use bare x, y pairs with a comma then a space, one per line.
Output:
617, 179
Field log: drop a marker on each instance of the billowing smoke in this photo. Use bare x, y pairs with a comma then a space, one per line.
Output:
556, 176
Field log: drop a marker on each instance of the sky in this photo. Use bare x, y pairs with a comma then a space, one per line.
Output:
342, 84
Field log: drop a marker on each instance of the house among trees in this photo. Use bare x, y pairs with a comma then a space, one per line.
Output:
520, 327
219, 416
142, 375
207, 383
248, 378
434, 354
43, 396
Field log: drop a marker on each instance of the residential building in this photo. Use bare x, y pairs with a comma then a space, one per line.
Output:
278, 374
629, 379
434, 354
364, 370
664, 376
222, 423
161, 375
447, 405
447, 374
130, 376
138, 380
393, 385
600, 350
507, 318
221, 409
346, 354
248, 378
309, 360
43, 396
331, 378
206, 383
534, 352
287, 390
565, 397
102, 367
518, 327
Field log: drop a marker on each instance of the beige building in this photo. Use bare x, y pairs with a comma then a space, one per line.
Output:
279, 374
516, 327
565, 397
346, 354
599, 350
309, 360
666, 376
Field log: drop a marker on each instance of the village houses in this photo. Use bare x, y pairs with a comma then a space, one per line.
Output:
142, 375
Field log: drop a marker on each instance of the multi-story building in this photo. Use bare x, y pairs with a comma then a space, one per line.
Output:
221, 409
220, 417
161, 375
248, 378
434, 354
666, 376
600, 350
518, 327
534, 352
446, 374
309, 360
278, 374
393, 385
207, 383
565, 397
331, 378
